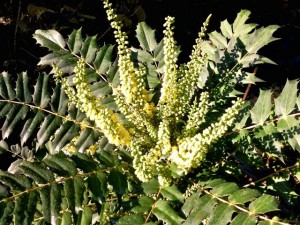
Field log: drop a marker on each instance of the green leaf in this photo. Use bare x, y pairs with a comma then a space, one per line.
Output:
75, 41
251, 77
285, 102
41, 95
59, 100
84, 162
22, 88
6, 90
69, 190
61, 166
146, 37
50, 39
264, 204
7, 212
86, 217
36, 172
80, 188
55, 201
289, 126
226, 29
16, 114
201, 209
67, 218
262, 108
98, 185
225, 189
101, 89
190, 203
145, 205
20, 209
131, 219
103, 59
118, 181
244, 219
218, 39
15, 182
164, 212
151, 187
48, 128
259, 38
239, 22
221, 215
172, 193
64, 135
31, 126
243, 195
46, 203
89, 49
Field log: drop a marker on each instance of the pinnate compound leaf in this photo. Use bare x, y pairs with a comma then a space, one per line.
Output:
146, 37
285, 102
163, 211
50, 39
262, 108
264, 204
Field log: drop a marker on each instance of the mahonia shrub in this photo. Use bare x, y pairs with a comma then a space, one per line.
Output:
142, 139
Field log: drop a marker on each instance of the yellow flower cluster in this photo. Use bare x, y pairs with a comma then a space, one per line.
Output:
169, 85
106, 120
196, 115
172, 133
133, 98
191, 151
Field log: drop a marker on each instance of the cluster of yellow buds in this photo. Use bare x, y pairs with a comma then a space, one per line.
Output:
84, 99
133, 99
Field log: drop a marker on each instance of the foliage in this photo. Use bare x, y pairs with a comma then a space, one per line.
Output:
139, 139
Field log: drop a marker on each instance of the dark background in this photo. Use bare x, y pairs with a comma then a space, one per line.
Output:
19, 19
18, 51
